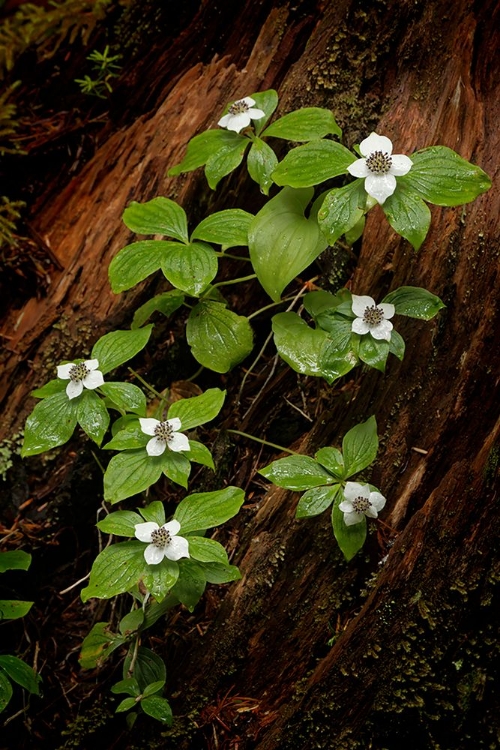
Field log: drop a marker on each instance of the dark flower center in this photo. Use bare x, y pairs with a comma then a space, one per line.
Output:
78, 372
160, 538
164, 431
373, 315
378, 162
237, 108
361, 504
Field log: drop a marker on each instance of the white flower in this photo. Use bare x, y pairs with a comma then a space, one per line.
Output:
372, 318
359, 502
380, 166
240, 113
162, 541
165, 433
82, 375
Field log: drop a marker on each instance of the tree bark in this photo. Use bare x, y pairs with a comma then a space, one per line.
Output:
399, 646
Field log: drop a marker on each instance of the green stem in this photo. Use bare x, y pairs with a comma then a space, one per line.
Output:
200, 369
235, 281
268, 307
146, 385
233, 257
264, 442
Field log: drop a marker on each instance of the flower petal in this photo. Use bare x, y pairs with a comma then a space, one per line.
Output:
346, 506
375, 142
256, 114
74, 388
224, 121
377, 500
173, 527
382, 331
371, 512
238, 122
358, 168
93, 380
387, 309
178, 442
63, 370
248, 101
178, 547
359, 326
153, 554
401, 164
175, 423
380, 187
352, 490
148, 425
360, 302
351, 518
144, 530
91, 364
155, 447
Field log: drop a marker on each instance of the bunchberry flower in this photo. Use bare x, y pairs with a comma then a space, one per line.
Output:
162, 541
164, 434
85, 374
359, 502
380, 167
372, 318
239, 114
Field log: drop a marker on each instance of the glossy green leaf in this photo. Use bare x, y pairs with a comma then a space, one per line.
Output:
154, 511
92, 416
226, 159
319, 302
118, 347
282, 241
50, 388
51, 423
199, 409
191, 267
153, 688
414, 302
349, 538
166, 304
306, 124
176, 467
14, 560
120, 523
130, 686
98, 645
312, 164
5, 691
116, 569
200, 454
207, 550
125, 705
158, 708
129, 473
13, 609
228, 228
332, 459
261, 163
200, 149
128, 438
397, 345
219, 338
160, 579
374, 352
339, 330
408, 215
360, 446
131, 622
315, 501
296, 473
21, 673
203, 510
126, 396
136, 262
157, 216
218, 573
341, 210
148, 667
439, 175
267, 101
191, 583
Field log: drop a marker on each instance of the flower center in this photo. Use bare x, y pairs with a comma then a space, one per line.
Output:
361, 504
164, 431
237, 108
379, 163
160, 538
373, 315
78, 372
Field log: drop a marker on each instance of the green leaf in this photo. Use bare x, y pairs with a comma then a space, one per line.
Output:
313, 163
160, 579
296, 473
13, 609
92, 416
116, 569
315, 501
341, 210
199, 409
130, 686
176, 467
306, 124
439, 175
158, 216
125, 705
203, 510
408, 215
126, 396
136, 262
14, 560
50, 388
219, 338
200, 454
191, 267
129, 473
200, 149
5, 691
166, 303
118, 347
267, 101
120, 523
228, 228
374, 352
318, 302
397, 345
98, 645
131, 622
282, 241
414, 302
51, 423
217, 573
339, 330
333, 460
207, 550
148, 667
191, 583
261, 163
226, 159
155, 512
360, 446
128, 438
158, 708
349, 538
153, 688
21, 673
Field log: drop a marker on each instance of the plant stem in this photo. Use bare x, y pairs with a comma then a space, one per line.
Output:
146, 385
235, 281
268, 307
264, 442
233, 257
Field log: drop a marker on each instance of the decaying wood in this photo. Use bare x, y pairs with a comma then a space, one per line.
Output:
412, 618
